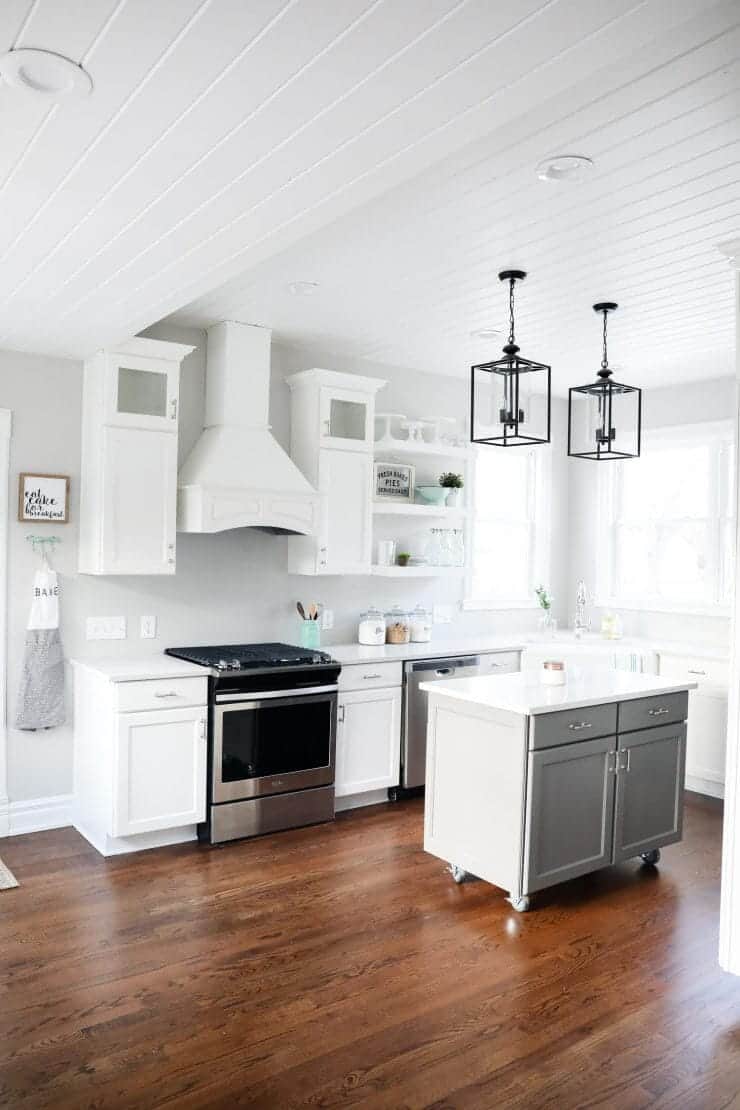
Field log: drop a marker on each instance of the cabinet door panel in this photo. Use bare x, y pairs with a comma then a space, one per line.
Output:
345, 543
570, 812
160, 770
139, 501
706, 738
649, 811
345, 417
142, 392
368, 741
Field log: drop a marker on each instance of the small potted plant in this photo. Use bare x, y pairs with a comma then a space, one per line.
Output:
453, 483
548, 624
403, 558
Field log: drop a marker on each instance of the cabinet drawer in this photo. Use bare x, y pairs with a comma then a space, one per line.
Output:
364, 676
706, 672
549, 730
648, 712
161, 693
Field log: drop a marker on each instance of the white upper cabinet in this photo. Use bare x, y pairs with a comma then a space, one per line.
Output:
332, 439
128, 481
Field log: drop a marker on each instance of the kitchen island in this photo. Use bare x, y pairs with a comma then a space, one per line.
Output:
529, 785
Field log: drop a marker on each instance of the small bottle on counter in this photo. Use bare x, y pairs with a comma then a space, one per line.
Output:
397, 626
421, 625
372, 628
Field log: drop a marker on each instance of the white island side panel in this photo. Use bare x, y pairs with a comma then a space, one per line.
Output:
475, 789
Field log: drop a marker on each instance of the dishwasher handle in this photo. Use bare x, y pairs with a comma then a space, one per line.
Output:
446, 666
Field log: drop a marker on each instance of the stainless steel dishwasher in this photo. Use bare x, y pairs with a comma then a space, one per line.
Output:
414, 727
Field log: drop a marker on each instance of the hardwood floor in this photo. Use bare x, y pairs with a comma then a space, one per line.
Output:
341, 967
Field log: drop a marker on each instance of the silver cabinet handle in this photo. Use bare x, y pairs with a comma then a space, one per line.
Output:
629, 759
340, 714
576, 727
202, 728
170, 694
658, 712
173, 409
369, 676
444, 671
611, 763
696, 672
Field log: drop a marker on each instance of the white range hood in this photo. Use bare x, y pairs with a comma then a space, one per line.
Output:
237, 475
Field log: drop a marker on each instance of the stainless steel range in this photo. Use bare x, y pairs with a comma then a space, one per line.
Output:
272, 736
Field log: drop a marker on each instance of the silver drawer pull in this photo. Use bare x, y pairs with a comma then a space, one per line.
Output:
369, 676
171, 694
658, 712
696, 672
579, 725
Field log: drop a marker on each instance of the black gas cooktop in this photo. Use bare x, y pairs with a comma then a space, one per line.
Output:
244, 657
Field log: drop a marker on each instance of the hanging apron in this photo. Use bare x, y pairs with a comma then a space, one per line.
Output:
41, 692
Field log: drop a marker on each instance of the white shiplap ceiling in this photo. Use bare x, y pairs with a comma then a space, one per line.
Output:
385, 150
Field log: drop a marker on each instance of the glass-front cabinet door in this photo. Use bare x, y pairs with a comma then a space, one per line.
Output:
345, 419
142, 392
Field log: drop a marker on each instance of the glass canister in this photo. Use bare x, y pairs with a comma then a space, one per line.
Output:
372, 628
421, 625
397, 626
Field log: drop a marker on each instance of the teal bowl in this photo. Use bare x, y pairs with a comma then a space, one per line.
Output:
432, 495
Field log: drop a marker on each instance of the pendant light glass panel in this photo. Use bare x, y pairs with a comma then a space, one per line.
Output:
510, 396
510, 402
604, 417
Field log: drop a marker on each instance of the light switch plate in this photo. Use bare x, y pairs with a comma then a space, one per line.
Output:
106, 628
442, 614
148, 627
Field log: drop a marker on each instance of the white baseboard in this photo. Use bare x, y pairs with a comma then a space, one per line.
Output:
705, 786
38, 814
4, 818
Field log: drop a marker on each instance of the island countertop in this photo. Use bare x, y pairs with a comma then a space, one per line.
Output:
523, 693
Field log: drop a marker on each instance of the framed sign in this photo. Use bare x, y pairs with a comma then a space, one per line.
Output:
393, 482
43, 498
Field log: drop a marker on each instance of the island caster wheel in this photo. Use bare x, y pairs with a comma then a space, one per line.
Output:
458, 873
651, 858
521, 905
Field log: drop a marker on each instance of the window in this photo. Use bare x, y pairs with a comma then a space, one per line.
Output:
510, 526
667, 528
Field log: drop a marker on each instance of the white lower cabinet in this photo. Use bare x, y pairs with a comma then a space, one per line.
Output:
706, 740
368, 741
140, 758
159, 770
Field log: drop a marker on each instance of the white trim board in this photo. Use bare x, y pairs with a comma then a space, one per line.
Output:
729, 918
6, 425
38, 814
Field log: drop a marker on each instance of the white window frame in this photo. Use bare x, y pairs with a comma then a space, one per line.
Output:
723, 433
540, 495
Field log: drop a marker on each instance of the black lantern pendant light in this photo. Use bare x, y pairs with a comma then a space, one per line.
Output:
510, 397
604, 418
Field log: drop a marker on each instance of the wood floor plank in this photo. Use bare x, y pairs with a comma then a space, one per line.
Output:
340, 966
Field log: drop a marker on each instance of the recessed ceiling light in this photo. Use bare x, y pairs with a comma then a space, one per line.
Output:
486, 333
565, 167
46, 74
303, 288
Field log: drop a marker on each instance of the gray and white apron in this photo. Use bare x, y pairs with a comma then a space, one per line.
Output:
41, 692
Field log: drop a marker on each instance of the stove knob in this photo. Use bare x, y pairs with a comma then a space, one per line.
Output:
222, 665
236, 664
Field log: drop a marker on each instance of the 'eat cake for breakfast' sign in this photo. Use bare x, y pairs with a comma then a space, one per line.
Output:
43, 498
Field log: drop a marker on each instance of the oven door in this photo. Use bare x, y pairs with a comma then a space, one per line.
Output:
274, 742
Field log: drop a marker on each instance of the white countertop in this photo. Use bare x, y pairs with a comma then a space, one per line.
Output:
523, 693
435, 649
137, 670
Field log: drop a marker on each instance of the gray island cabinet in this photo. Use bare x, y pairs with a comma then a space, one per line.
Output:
530, 785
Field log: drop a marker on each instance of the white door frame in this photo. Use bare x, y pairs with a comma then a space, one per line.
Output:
729, 928
6, 424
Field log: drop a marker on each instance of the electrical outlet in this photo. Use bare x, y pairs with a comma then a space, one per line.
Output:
442, 614
327, 619
106, 628
147, 627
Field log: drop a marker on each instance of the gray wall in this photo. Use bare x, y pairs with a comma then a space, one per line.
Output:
233, 586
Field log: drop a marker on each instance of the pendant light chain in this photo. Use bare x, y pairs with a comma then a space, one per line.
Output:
512, 282
604, 359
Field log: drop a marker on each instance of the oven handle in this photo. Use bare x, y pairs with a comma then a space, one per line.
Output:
262, 695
